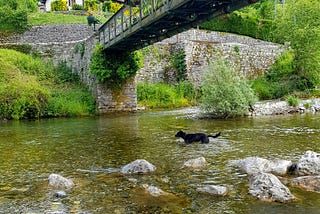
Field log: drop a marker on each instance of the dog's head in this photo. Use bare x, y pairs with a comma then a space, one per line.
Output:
180, 134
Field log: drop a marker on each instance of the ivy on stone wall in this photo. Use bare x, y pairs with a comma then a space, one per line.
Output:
178, 62
114, 67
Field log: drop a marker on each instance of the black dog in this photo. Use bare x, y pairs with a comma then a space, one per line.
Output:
190, 138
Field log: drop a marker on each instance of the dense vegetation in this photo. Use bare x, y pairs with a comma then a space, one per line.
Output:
30, 88
116, 67
296, 22
225, 94
296, 72
162, 95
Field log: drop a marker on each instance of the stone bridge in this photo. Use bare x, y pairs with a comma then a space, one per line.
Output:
74, 43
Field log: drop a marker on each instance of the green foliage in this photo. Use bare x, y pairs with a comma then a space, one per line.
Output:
13, 20
53, 18
23, 48
162, 95
59, 5
30, 88
299, 24
21, 95
114, 68
241, 23
63, 74
70, 102
292, 101
281, 79
225, 94
178, 62
77, 7
91, 5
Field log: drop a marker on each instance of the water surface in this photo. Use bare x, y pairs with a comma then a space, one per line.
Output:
92, 150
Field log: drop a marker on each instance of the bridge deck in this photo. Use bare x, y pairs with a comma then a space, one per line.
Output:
134, 27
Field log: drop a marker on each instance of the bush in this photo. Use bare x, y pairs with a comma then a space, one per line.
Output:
13, 20
292, 101
225, 94
91, 5
59, 5
77, 7
281, 79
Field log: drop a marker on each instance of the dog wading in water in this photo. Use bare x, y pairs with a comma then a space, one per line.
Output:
190, 138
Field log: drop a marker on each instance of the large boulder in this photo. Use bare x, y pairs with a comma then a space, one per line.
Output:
213, 190
138, 167
57, 181
267, 187
309, 164
252, 165
195, 163
308, 183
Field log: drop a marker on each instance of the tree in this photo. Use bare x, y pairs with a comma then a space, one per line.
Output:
299, 24
225, 94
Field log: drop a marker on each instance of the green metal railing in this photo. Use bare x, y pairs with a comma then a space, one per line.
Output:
130, 16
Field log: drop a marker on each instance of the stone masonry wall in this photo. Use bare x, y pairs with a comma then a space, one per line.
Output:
74, 44
252, 56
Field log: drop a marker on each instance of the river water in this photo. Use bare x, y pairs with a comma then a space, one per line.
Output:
92, 150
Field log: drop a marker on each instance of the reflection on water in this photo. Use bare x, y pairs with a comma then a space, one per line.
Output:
92, 150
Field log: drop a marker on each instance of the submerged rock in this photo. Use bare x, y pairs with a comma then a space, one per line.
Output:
60, 194
309, 164
58, 181
153, 190
267, 187
195, 163
213, 189
253, 165
138, 167
308, 183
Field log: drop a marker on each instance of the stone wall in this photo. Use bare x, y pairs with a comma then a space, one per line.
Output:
74, 44
252, 56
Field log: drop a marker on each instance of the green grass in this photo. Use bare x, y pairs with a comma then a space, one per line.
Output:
30, 88
162, 95
53, 18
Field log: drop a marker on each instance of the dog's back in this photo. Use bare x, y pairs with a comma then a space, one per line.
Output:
190, 138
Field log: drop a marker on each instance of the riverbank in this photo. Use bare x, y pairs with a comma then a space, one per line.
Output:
276, 107
266, 108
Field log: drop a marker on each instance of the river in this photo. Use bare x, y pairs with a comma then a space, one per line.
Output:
92, 150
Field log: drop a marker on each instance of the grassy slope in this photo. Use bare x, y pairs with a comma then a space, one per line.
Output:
30, 88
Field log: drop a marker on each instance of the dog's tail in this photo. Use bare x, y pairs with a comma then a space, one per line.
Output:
215, 136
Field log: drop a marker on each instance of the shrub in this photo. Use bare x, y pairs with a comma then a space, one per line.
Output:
280, 80
292, 101
225, 94
59, 5
91, 5
77, 7
13, 20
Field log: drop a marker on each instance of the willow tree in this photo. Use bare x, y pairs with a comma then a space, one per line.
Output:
225, 93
